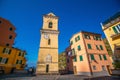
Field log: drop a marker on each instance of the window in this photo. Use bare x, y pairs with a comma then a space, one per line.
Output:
71, 42
81, 58
7, 44
48, 58
104, 56
6, 51
97, 38
73, 51
116, 29
10, 37
100, 57
68, 60
94, 67
92, 57
11, 29
0, 22
0, 59
50, 24
89, 46
48, 41
19, 62
79, 48
101, 47
4, 60
21, 54
86, 36
97, 47
75, 59
77, 38
103, 68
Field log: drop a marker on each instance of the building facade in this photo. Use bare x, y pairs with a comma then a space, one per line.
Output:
69, 60
11, 59
90, 56
48, 51
111, 28
7, 33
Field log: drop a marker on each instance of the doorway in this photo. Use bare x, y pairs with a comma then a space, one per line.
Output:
47, 68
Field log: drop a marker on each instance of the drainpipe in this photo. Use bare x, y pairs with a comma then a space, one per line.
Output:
87, 56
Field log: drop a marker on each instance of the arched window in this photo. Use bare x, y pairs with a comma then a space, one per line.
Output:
50, 24
48, 41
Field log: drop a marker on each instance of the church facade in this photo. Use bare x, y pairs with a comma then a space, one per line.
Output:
48, 51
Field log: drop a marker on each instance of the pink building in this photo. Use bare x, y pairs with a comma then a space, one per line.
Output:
69, 60
90, 56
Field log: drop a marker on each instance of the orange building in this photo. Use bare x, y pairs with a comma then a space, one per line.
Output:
90, 56
7, 33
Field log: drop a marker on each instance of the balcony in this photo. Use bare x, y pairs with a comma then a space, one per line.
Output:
115, 36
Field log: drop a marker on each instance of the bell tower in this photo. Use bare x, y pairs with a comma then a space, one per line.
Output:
48, 51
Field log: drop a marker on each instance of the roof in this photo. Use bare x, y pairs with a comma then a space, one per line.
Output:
87, 33
117, 15
50, 15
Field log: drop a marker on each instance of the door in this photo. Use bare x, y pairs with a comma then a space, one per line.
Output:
47, 68
75, 70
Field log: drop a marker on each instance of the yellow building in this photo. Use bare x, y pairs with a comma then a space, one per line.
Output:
11, 59
48, 51
111, 28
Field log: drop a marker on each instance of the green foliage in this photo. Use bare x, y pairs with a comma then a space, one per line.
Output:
116, 64
62, 61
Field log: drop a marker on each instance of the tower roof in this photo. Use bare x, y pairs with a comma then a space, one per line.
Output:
51, 15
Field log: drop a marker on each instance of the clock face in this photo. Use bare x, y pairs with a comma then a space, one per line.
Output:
46, 36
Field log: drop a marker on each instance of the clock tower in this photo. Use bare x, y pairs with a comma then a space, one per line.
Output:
48, 51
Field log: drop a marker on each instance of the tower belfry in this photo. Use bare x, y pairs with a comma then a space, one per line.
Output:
48, 51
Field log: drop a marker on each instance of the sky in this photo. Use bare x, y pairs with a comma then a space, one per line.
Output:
74, 16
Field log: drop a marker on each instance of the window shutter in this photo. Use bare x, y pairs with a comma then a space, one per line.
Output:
9, 51
19, 53
114, 29
101, 47
104, 56
89, 46
4, 50
0, 59
78, 37
79, 48
75, 59
92, 57
100, 57
17, 61
6, 61
81, 58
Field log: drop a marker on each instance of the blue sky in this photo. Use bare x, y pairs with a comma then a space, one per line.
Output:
74, 16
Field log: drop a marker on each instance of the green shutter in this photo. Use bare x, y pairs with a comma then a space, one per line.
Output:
81, 58
0, 59
92, 57
71, 42
78, 37
101, 47
6, 61
23, 55
17, 61
79, 48
9, 51
104, 56
114, 29
97, 47
89, 46
73, 51
100, 57
20, 61
75, 59
75, 39
4, 50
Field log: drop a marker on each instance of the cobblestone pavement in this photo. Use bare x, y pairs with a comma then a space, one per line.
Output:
24, 76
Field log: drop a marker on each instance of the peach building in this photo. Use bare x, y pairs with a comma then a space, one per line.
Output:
90, 56
7, 33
